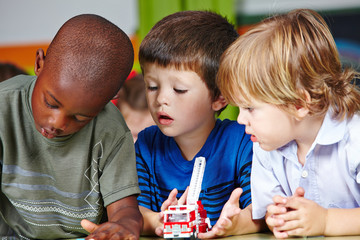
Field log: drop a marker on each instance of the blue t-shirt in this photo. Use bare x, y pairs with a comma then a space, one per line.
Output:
161, 167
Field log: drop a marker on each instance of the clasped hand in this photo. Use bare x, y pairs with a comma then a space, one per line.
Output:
296, 216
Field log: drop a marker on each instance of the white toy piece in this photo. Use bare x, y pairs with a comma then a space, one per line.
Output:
186, 221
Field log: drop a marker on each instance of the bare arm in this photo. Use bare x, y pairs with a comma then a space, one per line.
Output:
124, 221
342, 222
151, 221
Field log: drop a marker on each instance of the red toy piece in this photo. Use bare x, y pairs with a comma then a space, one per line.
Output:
185, 221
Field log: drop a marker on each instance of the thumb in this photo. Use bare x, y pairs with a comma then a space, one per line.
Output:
89, 226
299, 192
171, 200
235, 196
182, 200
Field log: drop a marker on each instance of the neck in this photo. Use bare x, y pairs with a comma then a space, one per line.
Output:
191, 143
307, 130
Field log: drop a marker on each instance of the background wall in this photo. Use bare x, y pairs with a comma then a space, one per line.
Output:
27, 25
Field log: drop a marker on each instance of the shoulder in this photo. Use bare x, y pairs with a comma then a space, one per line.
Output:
151, 135
230, 127
227, 129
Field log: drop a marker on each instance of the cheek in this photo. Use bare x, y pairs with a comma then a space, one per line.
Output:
37, 110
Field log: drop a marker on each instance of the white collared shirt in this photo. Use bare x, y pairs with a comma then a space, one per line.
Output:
330, 175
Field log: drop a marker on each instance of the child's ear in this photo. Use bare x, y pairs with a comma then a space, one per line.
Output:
302, 111
116, 96
219, 103
39, 61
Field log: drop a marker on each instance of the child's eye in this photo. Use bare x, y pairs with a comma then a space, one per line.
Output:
152, 88
49, 105
249, 109
79, 120
180, 90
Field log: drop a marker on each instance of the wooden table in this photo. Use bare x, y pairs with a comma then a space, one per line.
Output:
264, 236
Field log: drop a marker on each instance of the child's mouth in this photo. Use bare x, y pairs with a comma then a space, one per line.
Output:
47, 134
165, 119
253, 138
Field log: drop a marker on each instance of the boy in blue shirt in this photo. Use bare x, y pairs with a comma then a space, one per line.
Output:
180, 58
67, 157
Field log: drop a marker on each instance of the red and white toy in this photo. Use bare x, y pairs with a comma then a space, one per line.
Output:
186, 221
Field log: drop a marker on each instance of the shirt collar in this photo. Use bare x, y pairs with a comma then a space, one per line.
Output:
331, 130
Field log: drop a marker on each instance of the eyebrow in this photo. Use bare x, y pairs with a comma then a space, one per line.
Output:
57, 101
54, 98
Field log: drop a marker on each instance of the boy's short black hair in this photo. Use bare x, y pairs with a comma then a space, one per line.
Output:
94, 50
189, 40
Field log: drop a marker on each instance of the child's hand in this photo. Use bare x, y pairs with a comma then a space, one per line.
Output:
273, 211
106, 230
172, 200
227, 222
278, 208
302, 218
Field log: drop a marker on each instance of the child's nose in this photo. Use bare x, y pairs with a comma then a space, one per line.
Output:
162, 97
58, 121
241, 117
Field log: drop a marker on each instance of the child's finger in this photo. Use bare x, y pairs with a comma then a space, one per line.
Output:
213, 233
89, 226
289, 226
182, 199
161, 217
235, 196
171, 200
299, 192
274, 222
279, 199
279, 234
276, 209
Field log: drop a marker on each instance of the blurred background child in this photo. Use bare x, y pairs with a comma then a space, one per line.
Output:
131, 101
8, 70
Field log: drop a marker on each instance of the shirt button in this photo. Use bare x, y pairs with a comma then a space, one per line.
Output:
304, 174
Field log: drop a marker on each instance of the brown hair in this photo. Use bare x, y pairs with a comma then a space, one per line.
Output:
8, 70
133, 93
189, 40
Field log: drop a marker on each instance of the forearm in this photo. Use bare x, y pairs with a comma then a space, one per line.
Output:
342, 222
126, 213
151, 221
130, 217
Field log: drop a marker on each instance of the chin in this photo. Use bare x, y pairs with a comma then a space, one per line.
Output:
267, 147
